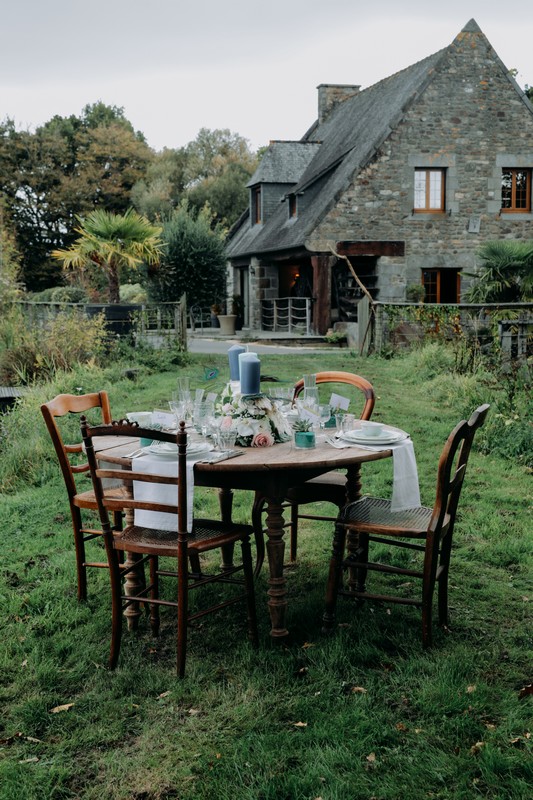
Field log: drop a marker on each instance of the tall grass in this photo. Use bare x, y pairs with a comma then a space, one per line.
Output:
365, 713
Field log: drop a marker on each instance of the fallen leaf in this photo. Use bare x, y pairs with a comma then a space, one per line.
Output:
525, 599
24, 663
490, 726
308, 644
471, 688
476, 748
58, 709
300, 724
371, 757
359, 690
33, 739
401, 727
194, 712
29, 760
525, 691
164, 694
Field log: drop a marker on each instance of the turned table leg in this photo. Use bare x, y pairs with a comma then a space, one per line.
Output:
277, 594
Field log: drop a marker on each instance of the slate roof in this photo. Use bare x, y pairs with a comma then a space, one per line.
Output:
284, 162
341, 146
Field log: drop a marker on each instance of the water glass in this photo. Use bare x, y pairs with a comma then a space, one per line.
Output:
202, 414
226, 439
178, 408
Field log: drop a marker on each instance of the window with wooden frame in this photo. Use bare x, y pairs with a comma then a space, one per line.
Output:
442, 285
256, 205
516, 191
430, 191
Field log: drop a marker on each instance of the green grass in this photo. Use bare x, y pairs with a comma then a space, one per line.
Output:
364, 713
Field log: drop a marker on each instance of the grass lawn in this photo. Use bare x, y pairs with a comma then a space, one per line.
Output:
363, 714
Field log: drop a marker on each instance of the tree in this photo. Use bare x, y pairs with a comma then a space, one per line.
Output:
506, 274
68, 167
213, 169
112, 243
194, 259
9, 262
219, 165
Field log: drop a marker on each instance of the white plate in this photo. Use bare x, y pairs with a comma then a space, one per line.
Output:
385, 437
170, 450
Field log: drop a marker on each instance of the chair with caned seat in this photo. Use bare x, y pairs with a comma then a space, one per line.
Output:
331, 487
60, 407
160, 494
370, 520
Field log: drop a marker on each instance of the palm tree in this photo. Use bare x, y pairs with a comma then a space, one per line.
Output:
506, 273
112, 242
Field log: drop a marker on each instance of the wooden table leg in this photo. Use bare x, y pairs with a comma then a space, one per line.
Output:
225, 499
133, 581
277, 594
353, 492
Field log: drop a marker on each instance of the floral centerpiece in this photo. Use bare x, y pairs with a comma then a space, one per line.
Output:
257, 421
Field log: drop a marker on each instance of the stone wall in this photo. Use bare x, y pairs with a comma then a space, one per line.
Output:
469, 120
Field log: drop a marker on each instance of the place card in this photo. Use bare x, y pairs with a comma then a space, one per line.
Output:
163, 418
337, 401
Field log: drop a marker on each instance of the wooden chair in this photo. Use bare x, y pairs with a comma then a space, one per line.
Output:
329, 488
151, 543
370, 519
62, 406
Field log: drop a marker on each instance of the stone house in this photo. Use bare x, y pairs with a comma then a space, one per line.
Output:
400, 182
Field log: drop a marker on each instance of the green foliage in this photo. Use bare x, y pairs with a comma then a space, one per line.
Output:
415, 293
213, 169
133, 293
10, 286
193, 262
506, 273
67, 339
68, 294
112, 243
63, 170
363, 713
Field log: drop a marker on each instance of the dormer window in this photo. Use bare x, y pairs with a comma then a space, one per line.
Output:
293, 206
256, 205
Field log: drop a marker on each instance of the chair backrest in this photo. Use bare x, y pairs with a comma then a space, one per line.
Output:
360, 383
170, 503
59, 407
452, 469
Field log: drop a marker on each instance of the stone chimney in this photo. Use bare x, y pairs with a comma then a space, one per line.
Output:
330, 95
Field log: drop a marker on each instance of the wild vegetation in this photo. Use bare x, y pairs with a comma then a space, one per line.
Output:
365, 713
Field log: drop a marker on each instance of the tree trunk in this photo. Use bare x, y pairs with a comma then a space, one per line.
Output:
114, 286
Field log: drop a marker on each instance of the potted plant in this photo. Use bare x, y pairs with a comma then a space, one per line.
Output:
238, 310
227, 322
303, 435
215, 312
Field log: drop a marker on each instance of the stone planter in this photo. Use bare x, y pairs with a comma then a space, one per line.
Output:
227, 324
304, 439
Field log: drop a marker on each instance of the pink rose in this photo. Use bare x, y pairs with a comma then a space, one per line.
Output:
263, 440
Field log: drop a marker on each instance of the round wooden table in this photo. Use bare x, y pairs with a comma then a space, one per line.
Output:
273, 470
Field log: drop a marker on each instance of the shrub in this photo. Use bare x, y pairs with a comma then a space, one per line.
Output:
66, 340
68, 294
194, 260
133, 293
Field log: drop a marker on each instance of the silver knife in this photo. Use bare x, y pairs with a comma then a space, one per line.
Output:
214, 459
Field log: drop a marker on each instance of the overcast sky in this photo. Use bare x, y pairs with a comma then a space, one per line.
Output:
176, 66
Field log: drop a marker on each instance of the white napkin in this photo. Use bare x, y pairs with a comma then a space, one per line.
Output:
161, 493
405, 488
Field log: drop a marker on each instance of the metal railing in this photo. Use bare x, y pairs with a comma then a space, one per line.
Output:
287, 315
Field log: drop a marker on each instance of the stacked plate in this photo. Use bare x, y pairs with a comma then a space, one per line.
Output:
169, 450
386, 436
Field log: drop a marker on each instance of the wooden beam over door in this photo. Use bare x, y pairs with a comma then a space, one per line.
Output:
371, 248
